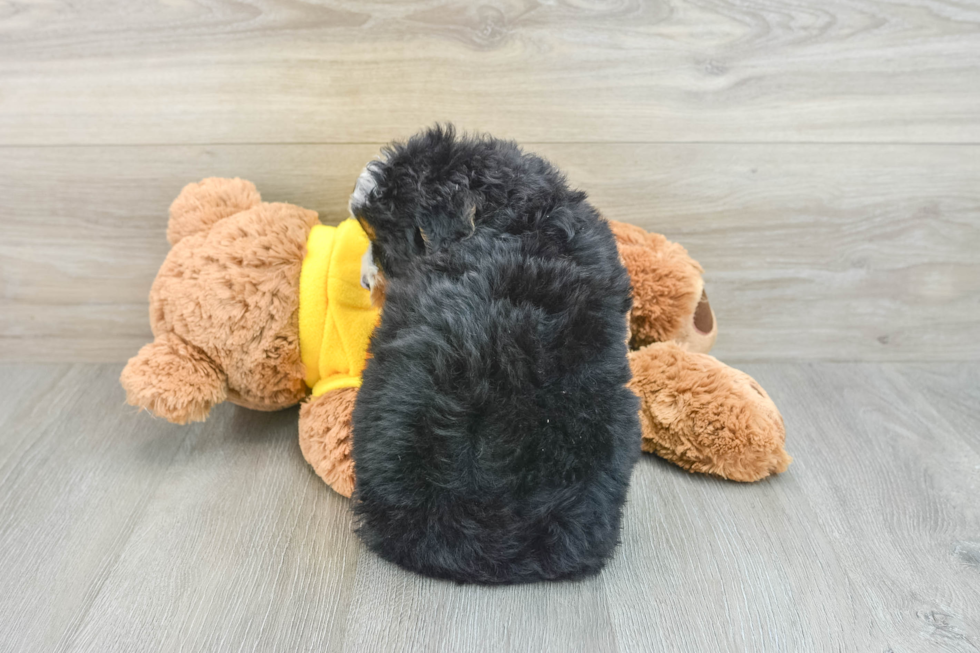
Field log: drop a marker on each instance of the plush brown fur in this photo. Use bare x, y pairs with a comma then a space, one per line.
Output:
171, 378
325, 437
224, 308
201, 205
705, 416
695, 411
667, 284
225, 300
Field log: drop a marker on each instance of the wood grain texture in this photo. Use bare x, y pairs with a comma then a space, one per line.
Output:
950, 393
836, 252
342, 71
119, 533
880, 505
122, 533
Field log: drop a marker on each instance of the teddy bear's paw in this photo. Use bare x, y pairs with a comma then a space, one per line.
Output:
200, 205
706, 416
173, 380
325, 437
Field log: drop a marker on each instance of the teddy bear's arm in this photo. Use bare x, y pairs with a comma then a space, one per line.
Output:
706, 416
174, 380
325, 428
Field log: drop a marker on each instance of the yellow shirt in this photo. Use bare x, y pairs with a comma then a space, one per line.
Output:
335, 313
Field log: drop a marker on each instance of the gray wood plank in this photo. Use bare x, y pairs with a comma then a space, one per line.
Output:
244, 548
837, 252
859, 546
710, 565
950, 393
394, 610
77, 473
897, 491
120, 532
340, 71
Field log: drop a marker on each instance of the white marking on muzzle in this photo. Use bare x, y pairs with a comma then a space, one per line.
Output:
369, 271
366, 184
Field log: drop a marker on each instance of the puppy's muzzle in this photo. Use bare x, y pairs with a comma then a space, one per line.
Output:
369, 271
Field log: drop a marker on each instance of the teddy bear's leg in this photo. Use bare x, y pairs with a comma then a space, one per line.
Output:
669, 300
325, 437
203, 203
705, 416
174, 380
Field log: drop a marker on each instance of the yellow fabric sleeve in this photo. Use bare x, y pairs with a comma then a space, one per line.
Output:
313, 298
336, 316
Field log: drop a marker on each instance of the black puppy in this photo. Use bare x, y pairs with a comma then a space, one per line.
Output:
494, 436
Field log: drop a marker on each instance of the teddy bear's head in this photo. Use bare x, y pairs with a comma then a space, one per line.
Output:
669, 300
223, 307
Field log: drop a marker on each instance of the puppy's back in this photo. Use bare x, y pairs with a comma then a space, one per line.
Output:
494, 436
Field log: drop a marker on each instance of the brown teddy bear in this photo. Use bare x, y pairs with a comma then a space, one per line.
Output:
695, 411
259, 304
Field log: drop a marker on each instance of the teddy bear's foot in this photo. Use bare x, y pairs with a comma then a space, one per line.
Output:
174, 380
705, 416
325, 437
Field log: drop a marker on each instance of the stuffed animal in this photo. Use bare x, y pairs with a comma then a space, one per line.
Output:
695, 411
259, 304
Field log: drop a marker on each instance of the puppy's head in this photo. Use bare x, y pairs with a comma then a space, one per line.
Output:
414, 201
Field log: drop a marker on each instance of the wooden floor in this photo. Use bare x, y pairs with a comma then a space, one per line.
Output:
124, 533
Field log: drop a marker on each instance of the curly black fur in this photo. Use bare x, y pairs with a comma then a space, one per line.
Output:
494, 436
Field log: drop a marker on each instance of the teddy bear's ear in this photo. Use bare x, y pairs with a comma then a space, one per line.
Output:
199, 206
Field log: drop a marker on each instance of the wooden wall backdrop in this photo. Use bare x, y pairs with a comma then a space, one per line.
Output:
821, 159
